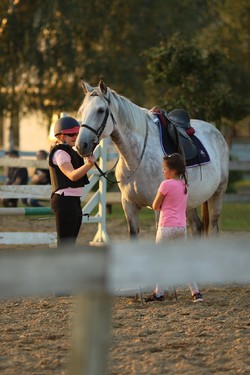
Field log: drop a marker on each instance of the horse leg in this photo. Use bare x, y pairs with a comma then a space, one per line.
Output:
194, 222
205, 218
131, 212
214, 208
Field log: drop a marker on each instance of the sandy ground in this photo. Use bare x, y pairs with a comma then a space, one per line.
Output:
167, 337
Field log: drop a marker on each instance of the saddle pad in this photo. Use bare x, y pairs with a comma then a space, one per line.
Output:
168, 147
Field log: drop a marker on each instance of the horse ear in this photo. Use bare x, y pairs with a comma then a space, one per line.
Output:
103, 86
86, 87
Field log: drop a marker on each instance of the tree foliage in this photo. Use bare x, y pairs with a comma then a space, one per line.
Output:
191, 78
47, 46
53, 43
230, 34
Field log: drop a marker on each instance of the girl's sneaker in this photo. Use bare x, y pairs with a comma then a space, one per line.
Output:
197, 297
153, 297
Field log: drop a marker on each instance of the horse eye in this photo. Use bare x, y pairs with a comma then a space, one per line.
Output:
100, 110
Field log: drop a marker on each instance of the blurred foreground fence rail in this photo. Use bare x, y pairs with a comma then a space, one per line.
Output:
95, 274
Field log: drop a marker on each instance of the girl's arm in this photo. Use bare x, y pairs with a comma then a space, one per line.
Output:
158, 201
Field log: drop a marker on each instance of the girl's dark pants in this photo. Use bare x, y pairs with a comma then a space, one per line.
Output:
68, 213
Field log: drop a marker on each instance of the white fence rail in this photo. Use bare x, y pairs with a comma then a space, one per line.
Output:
97, 274
236, 165
25, 191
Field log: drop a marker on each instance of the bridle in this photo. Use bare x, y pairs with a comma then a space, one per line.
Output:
101, 128
98, 134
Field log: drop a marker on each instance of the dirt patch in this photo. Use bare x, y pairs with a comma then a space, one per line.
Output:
157, 338
183, 338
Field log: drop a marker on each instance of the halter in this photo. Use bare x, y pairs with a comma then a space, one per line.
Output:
98, 134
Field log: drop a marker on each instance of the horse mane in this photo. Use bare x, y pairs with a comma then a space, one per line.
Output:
130, 113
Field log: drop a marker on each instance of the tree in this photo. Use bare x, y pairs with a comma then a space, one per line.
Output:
47, 46
195, 79
230, 34
13, 28
55, 42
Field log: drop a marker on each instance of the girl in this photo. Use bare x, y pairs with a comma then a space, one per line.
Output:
68, 177
171, 200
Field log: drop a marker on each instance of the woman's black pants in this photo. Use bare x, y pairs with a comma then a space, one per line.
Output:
68, 214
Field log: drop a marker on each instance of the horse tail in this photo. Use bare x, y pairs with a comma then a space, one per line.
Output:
205, 218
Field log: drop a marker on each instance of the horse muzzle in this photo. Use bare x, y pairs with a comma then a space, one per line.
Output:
85, 148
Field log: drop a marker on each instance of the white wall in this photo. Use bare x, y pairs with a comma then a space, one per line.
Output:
33, 133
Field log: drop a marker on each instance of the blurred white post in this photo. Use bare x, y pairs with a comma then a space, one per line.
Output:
91, 327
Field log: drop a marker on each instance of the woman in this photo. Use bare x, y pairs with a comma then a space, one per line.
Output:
68, 177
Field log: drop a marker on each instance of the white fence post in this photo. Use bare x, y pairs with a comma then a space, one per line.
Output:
91, 331
101, 234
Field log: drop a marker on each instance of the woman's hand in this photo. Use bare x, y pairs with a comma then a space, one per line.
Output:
90, 159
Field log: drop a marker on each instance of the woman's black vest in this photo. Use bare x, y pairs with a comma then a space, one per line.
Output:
58, 178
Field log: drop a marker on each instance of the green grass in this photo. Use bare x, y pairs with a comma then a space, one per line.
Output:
147, 216
235, 216
241, 187
242, 184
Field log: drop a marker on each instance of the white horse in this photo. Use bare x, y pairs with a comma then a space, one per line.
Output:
139, 170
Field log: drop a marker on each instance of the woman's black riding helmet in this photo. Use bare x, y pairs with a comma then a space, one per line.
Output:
66, 125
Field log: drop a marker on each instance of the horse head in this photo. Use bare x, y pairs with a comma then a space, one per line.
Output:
97, 121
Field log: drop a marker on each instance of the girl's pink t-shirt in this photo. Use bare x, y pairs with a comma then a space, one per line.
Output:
60, 157
173, 208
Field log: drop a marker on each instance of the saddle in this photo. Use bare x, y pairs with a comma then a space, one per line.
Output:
177, 127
